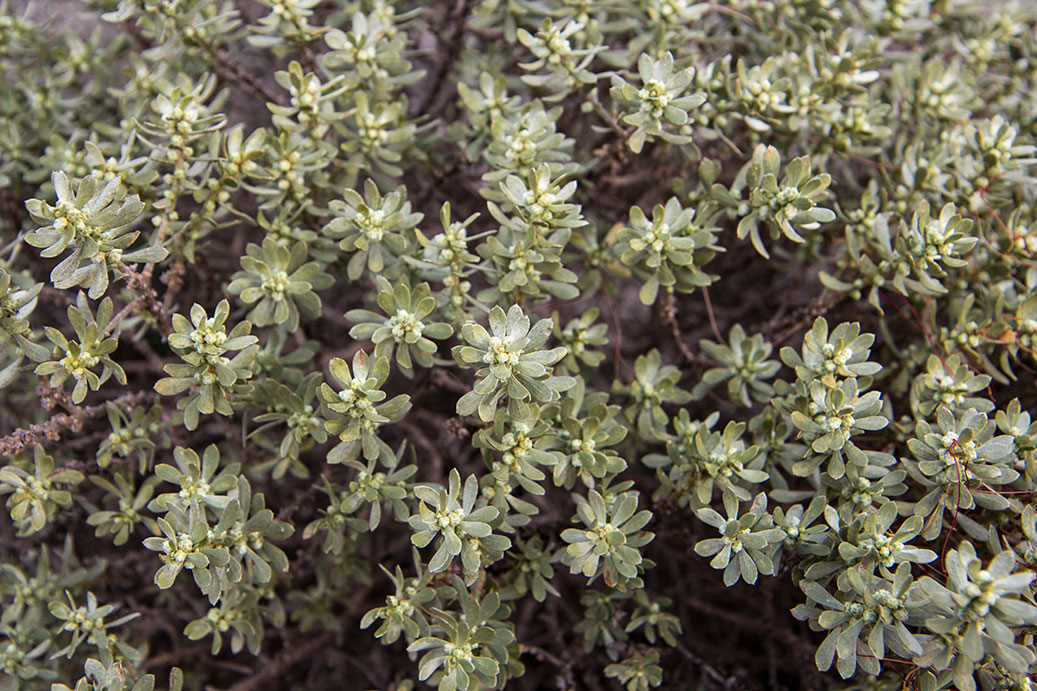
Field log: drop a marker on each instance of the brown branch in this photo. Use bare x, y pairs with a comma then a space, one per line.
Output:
232, 71
148, 298
708, 670
18, 440
117, 319
419, 439
173, 279
58, 297
564, 680
744, 623
308, 58
613, 124
712, 317
792, 323
669, 314
301, 499
277, 667
227, 69
458, 17
446, 379
12, 209
668, 307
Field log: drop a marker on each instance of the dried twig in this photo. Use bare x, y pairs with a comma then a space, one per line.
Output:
148, 299
51, 430
800, 317
268, 677
232, 71
706, 668
712, 317
458, 17
564, 680
669, 315
745, 623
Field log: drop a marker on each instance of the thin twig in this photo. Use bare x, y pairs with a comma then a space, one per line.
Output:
744, 623
223, 62
565, 676
117, 319
622, 133
799, 318
420, 439
712, 317
281, 664
51, 430
148, 299
669, 314
703, 665
617, 359
458, 17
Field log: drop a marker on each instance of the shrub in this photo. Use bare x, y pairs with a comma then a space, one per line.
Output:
635, 343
